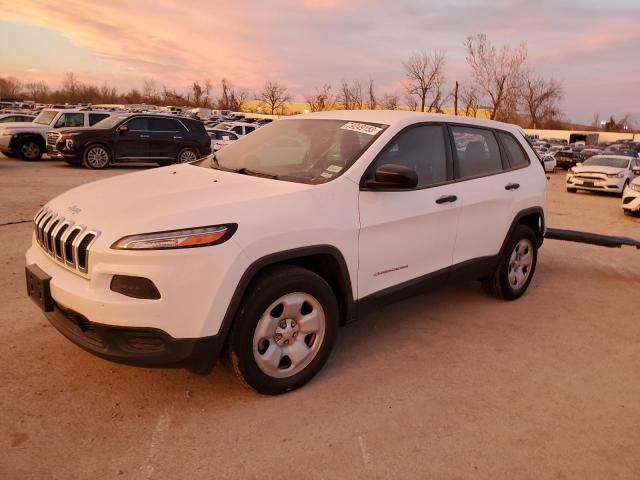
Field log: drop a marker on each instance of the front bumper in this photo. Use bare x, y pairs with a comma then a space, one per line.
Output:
631, 200
143, 347
614, 185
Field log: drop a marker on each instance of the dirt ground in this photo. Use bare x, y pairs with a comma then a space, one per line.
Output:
448, 385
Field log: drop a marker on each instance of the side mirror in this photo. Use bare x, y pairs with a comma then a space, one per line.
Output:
393, 176
122, 129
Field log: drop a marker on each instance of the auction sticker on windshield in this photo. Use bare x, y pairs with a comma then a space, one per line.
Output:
361, 128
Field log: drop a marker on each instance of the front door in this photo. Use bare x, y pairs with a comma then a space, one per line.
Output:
133, 144
407, 235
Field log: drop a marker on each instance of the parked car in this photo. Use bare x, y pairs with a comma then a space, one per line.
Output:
631, 196
239, 128
28, 140
603, 173
164, 139
566, 159
221, 138
16, 118
264, 249
549, 163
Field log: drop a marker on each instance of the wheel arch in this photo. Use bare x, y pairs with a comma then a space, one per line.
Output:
324, 260
26, 135
531, 217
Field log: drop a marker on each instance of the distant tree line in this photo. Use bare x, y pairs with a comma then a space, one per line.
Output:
501, 86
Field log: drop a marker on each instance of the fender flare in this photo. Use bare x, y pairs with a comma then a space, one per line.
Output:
516, 220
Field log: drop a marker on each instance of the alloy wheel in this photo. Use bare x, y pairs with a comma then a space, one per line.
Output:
97, 157
520, 263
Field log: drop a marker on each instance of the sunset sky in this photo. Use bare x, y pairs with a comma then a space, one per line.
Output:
594, 47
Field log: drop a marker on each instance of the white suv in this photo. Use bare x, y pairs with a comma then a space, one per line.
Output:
261, 251
29, 140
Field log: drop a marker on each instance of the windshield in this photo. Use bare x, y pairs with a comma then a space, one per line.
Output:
305, 151
45, 117
110, 122
607, 162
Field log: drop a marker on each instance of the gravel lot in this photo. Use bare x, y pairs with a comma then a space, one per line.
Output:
450, 384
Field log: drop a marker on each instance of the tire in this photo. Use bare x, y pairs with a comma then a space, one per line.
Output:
30, 149
187, 155
96, 157
264, 334
627, 213
571, 190
520, 250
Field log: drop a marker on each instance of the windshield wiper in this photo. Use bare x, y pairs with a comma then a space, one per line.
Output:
246, 171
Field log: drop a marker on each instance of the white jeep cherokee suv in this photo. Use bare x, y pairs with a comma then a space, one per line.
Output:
263, 250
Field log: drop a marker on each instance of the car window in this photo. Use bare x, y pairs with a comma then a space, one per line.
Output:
477, 152
96, 117
163, 125
138, 124
8, 119
517, 157
420, 148
238, 130
249, 129
70, 120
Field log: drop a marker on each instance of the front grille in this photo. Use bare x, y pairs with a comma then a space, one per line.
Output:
64, 240
589, 177
52, 140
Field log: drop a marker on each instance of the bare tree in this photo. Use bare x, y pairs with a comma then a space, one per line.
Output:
595, 123
36, 91
390, 101
197, 92
412, 102
541, 98
274, 95
470, 101
351, 95
208, 86
372, 100
71, 87
150, 92
455, 98
322, 99
425, 77
232, 98
10, 87
497, 73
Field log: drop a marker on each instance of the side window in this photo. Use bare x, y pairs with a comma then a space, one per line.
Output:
477, 152
138, 124
8, 119
237, 130
249, 129
232, 136
70, 120
517, 157
163, 125
421, 149
96, 117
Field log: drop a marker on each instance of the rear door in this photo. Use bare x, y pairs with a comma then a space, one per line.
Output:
490, 191
166, 135
406, 235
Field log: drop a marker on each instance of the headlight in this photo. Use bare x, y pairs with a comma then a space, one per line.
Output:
186, 238
634, 186
615, 175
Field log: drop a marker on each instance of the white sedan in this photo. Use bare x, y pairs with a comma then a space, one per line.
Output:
603, 173
631, 197
221, 138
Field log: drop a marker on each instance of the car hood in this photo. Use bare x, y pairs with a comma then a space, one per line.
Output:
174, 197
24, 127
597, 169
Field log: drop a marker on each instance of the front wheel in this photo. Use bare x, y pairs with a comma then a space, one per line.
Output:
285, 330
29, 149
516, 266
97, 157
187, 155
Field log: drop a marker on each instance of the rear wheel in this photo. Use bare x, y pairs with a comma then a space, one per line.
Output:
97, 157
516, 266
30, 149
284, 331
187, 155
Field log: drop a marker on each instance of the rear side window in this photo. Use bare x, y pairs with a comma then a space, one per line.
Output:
517, 157
421, 149
96, 117
477, 152
163, 125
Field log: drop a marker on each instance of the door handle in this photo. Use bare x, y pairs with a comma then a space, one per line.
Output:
446, 199
144, 136
512, 186
177, 138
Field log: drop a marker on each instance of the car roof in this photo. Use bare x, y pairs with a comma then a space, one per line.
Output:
403, 118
